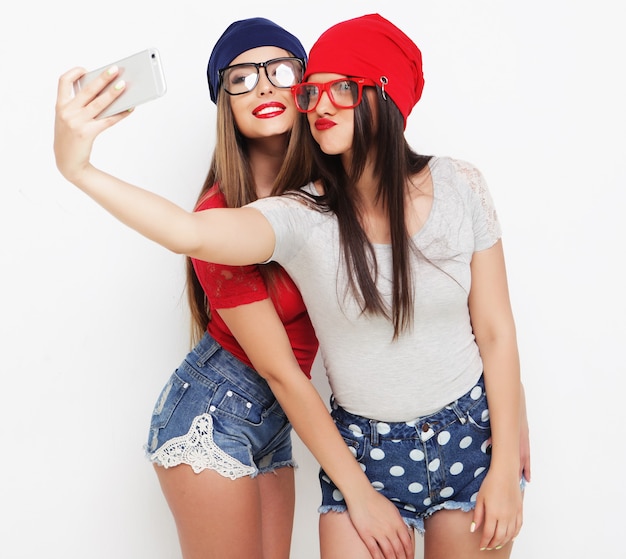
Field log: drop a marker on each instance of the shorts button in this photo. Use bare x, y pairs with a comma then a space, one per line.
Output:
212, 408
426, 427
248, 405
229, 393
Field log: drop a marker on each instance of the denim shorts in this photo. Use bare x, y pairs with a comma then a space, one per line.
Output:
217, 413
434, 462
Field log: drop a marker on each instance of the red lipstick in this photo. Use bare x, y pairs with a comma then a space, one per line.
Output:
269, 110
324, 123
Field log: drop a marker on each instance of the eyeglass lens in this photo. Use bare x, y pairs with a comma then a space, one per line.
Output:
344, 94
281, 72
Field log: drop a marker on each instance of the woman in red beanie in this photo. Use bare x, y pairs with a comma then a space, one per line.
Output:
399, 260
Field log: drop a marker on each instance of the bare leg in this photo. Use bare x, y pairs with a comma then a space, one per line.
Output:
220, 518
448, 535
277, 491
339, 539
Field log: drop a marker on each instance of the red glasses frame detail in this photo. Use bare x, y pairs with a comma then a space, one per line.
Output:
302, 93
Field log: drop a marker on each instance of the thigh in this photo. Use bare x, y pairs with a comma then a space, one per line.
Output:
216, 517
339, 539
277, 490
448, 535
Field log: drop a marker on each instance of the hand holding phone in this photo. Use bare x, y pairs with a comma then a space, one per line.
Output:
143, 74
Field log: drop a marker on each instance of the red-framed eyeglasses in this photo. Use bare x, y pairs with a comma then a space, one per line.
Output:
344, 93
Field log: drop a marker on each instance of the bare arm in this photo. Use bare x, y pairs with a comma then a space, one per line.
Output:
228, 236
260, 333
524, 451
499, 503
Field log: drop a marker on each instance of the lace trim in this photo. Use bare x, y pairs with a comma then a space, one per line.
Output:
198, 449
477, 183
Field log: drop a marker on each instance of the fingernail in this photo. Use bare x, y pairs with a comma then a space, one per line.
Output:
473, 527
498, 547
112, 70
120, 85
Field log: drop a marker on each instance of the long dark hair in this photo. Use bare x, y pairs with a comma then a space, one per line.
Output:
395, 162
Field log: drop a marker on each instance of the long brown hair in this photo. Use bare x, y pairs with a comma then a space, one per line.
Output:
394, 163
230, 168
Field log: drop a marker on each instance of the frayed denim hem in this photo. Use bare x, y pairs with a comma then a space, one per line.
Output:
273, 467
416, 523
332, 508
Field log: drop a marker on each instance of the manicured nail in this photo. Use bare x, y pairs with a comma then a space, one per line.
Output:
112, 70
498, 547
120, 85
473, 527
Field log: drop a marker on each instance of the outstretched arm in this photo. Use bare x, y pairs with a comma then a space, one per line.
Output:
227, 236
260, 333
499, 504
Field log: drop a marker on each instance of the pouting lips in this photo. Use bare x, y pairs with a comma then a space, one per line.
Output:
324, 123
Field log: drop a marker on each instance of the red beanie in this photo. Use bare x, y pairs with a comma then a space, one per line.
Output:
372, 47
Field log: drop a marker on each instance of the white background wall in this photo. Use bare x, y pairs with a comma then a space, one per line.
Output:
92, 318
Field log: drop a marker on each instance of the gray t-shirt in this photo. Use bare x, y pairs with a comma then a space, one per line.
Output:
437, 361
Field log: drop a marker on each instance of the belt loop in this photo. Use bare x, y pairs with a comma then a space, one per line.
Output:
454, 406
207, 352
374, 432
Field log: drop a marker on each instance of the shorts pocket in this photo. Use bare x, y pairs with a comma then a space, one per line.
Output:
238, 406
169, 398
478, 415
355, 442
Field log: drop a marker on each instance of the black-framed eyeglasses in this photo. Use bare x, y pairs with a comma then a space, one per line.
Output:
243, 78
344, 93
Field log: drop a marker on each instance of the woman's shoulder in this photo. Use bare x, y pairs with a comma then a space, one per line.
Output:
452, 164
457, 173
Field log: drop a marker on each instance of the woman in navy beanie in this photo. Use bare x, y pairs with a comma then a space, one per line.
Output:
219, 440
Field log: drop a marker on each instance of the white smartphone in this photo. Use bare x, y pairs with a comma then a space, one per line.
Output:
144, 77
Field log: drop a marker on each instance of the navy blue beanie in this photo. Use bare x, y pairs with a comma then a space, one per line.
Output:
244, 35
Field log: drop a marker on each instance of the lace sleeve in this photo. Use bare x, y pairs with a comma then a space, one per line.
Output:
230, 286
487, 229
227, 286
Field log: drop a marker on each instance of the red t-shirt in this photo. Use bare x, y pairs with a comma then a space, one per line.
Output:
230, 286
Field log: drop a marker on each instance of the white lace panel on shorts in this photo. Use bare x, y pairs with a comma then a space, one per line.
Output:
198, 449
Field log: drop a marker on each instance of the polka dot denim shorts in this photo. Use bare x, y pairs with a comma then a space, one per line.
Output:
434, 462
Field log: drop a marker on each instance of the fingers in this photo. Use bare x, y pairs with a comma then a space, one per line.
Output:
65, 90
398, 545
94, 96
407, 544
385, 549
498, 533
